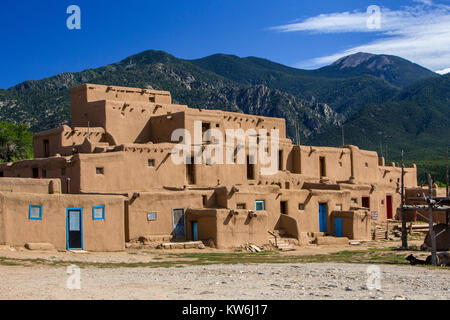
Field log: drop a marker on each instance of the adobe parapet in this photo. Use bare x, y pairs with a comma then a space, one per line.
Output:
94, 92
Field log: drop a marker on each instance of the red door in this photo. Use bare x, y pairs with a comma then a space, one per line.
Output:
389, 207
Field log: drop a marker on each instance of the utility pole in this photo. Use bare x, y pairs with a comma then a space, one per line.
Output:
447, 178
404, 231
387, 153
381, 149
430, 208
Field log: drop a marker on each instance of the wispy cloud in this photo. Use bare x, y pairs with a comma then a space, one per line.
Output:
420, 33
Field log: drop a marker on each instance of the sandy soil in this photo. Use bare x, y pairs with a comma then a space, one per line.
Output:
241, 281
264, 281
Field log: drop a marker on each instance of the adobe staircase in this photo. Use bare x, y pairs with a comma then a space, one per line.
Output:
280, 240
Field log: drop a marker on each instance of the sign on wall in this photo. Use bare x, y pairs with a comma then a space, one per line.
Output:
374, 215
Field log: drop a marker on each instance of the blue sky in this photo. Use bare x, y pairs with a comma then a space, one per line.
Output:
36, 43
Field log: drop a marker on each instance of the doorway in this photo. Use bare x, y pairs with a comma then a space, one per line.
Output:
194, 230
74, 228
366, 202
338, 228
190, 172
323, 217
389, 207
283, 207
178, 223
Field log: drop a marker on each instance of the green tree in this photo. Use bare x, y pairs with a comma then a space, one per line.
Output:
16, 142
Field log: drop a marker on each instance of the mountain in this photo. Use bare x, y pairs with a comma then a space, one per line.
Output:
395, 70
358, 91
416, 120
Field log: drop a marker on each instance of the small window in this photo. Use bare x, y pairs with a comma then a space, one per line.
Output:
206, 134
339, 207
354, 201
322, 167
1, 173
280, 160
100, 170
151, 216
217, 125
46, 149
151, 162
35, 212
204, 199
98, 213
301, 206
35, 172
367, 164
241, 206
44, 173
259, 205
63, 171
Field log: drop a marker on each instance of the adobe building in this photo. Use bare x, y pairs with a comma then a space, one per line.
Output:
110, 178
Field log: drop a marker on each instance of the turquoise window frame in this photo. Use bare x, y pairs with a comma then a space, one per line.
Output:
103, 213
260, 202
40, 212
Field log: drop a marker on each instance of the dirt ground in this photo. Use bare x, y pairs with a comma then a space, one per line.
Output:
261, 282
44, 275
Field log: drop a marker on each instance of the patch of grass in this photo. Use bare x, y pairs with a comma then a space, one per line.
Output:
177, 260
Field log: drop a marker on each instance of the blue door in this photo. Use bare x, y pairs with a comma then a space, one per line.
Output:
195, 231
74, 228
178, 223
338, 232
323, 217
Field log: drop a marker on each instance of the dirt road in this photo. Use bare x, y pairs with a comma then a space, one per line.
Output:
264, 281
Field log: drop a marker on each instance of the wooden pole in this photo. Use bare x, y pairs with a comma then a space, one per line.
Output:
404, 230
447, 178
432, 235
343, 136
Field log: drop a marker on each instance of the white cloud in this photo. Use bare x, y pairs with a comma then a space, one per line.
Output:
419, 33
443, 71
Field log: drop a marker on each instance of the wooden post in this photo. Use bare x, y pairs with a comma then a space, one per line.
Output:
447, 178
404, 230
432, 235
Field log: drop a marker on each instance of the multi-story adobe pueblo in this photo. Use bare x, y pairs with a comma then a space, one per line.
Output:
110, 178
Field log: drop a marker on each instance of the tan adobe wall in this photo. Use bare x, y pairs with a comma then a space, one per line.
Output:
356, 225
40, 186
64, 140
230, 230
161, 127
55, 168
130, 122
95, 92
129, 170
162, 203
337, 162
98, 235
